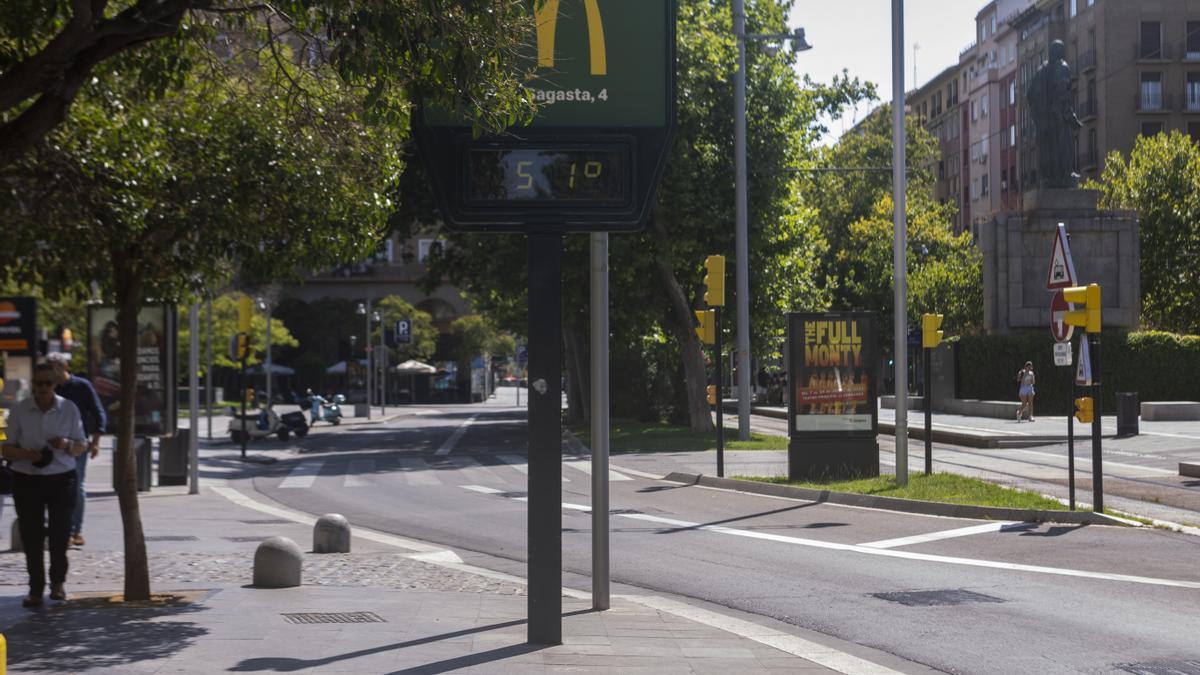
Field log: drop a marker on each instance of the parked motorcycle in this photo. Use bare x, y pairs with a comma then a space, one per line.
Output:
331, 411
261, 423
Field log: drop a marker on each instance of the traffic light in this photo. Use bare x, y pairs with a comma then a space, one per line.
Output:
706, 326
930, 335
245, 311
712, 394
1083, 409
714, 281
1089, 317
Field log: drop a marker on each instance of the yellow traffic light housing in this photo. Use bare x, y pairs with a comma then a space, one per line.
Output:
1083, 409
930, 335
706, 326
245, 312
243, 346
1089, 317
714, 281
712, 394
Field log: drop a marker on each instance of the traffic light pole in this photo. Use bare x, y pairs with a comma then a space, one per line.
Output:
717, 377
927, 403
545, 439
1071, 434
245, 428
1097, 460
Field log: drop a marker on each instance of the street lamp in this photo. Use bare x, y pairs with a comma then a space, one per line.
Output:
363, 311
742, 240
264, 306
381, 362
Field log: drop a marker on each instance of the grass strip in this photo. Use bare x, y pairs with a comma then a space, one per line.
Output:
631, 436
946, 488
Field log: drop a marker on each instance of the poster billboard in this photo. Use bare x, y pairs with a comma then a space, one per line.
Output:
832, 410
18, 326
155, 404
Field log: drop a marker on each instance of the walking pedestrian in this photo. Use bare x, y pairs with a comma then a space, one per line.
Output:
45, 435
1025, 382
79, 390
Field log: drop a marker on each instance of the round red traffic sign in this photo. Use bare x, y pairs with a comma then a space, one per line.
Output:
1059, 328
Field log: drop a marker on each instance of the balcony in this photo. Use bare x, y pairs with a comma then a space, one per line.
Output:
1153, 102
1088, 108
1085, 61
1160, 52
1192, 102
1088, 159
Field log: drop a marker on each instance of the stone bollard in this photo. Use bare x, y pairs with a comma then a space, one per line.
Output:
277, 563
331, 534
15, 537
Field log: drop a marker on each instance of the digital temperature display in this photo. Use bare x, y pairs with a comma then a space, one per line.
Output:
530, 175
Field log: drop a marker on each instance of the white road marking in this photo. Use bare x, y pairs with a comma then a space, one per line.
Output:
639, 474
792, 644
909, 555
303, 475
472, 470
943, 534
417, 472
826, 656
483, 489
448, 446
586, 467
355, 473
518, 462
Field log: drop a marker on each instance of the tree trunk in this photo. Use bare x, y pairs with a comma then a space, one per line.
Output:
137, 569
682, 322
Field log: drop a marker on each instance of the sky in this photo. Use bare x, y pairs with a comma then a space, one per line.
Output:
857, 34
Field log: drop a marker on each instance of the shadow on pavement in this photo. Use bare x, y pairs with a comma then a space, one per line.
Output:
83, 636
674, 530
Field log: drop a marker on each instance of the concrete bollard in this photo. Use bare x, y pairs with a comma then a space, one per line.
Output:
277, 563
15, 537
331, 534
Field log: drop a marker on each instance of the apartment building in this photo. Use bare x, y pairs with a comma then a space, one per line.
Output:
936, 105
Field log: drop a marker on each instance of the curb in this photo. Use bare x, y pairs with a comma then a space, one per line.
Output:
896, 504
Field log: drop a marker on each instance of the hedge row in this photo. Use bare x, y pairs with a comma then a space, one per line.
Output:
1158, 366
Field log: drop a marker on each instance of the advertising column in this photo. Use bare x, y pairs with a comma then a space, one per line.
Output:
832, 411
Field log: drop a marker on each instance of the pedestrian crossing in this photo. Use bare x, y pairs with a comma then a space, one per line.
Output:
430, 471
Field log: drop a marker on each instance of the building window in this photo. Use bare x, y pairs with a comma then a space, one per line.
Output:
424, 246
983, 185
1012, 135
1012, 93
1151, 45
1151, 128
1193, 40
1074, 8
1194, 131
1193, 91
1092, 148
1152, 92
983, 106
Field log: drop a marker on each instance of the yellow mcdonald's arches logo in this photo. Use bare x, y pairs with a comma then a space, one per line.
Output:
547, 22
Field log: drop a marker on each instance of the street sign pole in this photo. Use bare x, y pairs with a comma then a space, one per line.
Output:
1071, 435
545, 439
1097, 459
194, 399
717, 378
927, 403
899, 244
599, 310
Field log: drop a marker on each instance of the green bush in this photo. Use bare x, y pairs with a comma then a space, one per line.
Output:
1158, 366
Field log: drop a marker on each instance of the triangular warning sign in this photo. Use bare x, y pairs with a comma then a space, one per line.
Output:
1062, 268
1083, 372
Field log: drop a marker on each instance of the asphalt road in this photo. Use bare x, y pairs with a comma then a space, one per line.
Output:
1019, 600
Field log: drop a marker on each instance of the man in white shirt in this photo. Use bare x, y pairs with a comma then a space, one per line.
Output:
45, 435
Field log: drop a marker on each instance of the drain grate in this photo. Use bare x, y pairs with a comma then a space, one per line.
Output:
333, 617
244, 539
276, 521
1161, 668
957, 596
172, 537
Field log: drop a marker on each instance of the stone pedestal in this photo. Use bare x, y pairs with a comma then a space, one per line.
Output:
1016, 250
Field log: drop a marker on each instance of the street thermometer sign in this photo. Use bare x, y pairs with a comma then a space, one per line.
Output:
592, 158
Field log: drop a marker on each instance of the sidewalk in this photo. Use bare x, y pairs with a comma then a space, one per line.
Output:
407, 615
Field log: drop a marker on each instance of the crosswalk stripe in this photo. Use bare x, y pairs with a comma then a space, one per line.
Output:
448, 446
416, 472
586, 467
483, 489
357, 470
303, 475
518, 462
472, 470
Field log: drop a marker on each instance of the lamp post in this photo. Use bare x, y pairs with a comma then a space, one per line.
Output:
381, 362
264, 306
364, 310
350, 361
742, 237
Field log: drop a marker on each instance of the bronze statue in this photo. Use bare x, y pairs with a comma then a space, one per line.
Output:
1053, 109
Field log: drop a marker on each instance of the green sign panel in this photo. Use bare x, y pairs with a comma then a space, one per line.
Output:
592, 158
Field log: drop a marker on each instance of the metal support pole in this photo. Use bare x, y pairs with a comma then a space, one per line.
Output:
194, 399
1071, 434
208, 366
742, 237
717, 373
900, 243
245, 427
600, 428
1097, 459
367, 349
382, 360
545, 439
270, 389
927, 404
